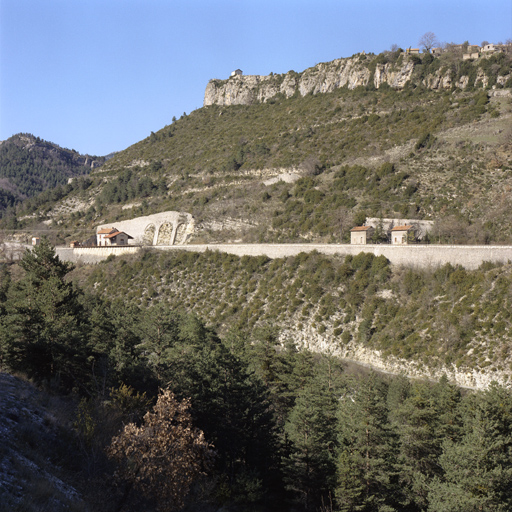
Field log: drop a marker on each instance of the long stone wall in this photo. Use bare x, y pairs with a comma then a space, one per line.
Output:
92, 254
469, 256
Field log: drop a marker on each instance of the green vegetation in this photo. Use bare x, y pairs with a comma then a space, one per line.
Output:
223, 337
29, 166
445, 316
414, 153
291, 430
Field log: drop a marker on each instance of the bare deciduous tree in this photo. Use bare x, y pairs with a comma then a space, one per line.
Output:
428, 41
163, 456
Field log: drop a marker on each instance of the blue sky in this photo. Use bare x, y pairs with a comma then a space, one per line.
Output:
100, 75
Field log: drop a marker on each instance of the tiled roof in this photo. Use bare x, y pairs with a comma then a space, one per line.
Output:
105, 231
401, 228
112, 235
360, 228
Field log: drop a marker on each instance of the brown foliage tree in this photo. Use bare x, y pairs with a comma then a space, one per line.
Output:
165, 455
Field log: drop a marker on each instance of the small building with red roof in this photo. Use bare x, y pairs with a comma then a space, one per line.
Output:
400, 235
360, 235
112, 236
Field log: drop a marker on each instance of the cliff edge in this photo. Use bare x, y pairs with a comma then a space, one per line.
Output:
393, 69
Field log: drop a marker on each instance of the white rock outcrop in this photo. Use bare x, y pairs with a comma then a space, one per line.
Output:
327, 76
324, 77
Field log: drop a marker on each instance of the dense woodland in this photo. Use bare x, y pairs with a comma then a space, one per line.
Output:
260, 425
30, 166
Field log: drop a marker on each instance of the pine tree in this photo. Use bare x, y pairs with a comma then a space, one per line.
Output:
5, 282
367, 472
229, 404
309, 467
478, 469
44, 326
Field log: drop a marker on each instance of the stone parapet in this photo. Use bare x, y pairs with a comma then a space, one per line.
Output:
468, 256
93, 254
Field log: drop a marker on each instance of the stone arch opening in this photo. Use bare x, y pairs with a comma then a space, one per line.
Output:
180, 234
164, 234
149, 235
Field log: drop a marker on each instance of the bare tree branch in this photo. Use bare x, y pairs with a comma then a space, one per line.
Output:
428, 41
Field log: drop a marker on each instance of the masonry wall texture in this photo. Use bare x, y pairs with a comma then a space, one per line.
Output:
468, 256
158, 229
92, 254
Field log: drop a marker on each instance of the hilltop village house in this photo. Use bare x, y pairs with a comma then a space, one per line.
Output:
111, 236
469, 51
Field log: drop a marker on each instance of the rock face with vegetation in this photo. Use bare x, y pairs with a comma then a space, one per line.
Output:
418, 322
391, 69
410, 152
309, 168
247, 350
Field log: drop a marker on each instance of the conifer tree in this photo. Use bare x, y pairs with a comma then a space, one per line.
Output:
43, 325
229, 403
478, 469
367, 472
309, 467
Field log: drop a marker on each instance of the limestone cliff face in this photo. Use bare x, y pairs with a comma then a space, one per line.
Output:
352, 72
324, 77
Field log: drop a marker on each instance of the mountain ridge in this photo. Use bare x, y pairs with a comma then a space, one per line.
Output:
30, 165
392, 69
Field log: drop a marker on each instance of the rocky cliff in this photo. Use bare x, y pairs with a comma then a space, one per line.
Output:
359, 70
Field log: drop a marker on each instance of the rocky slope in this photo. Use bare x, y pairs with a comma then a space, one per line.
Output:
35, 470
361, 70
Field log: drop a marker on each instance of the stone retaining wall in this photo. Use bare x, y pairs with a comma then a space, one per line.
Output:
163, 228
92, 254
469, 256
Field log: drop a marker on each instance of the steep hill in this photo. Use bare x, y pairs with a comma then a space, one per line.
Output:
310, 167
38, 469
30, 165
420, 323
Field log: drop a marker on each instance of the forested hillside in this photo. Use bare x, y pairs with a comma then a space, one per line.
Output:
441, 155
419, 321
208, 382
30, 165
245, 423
